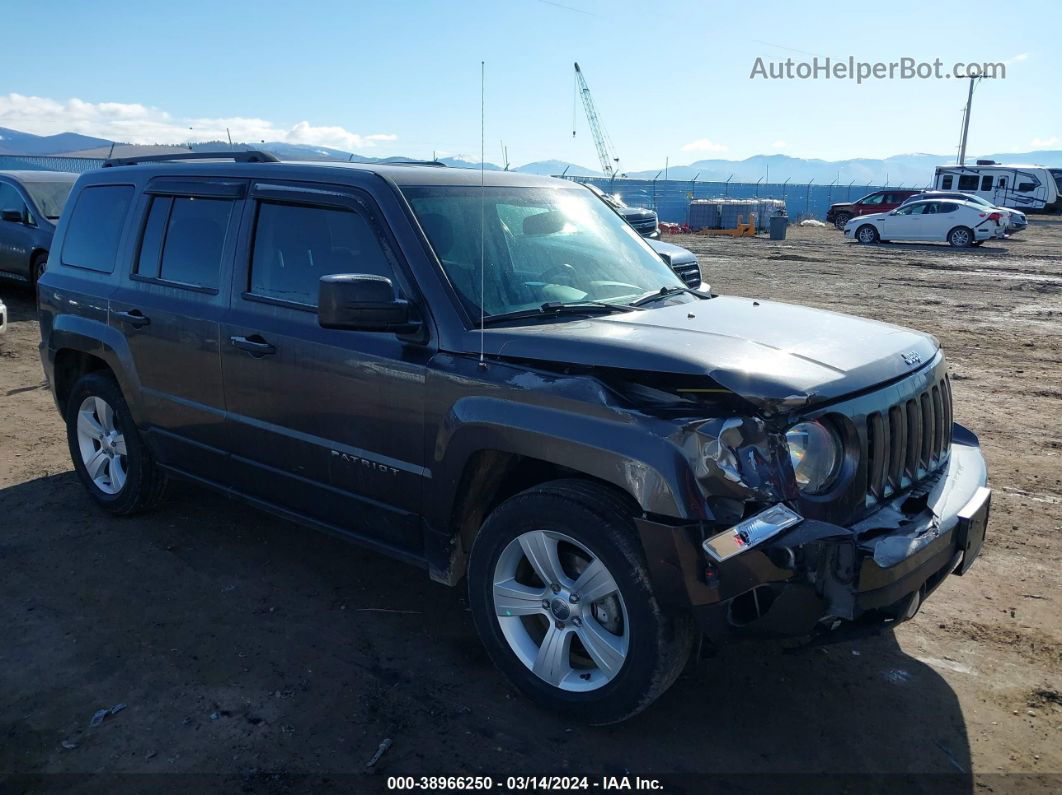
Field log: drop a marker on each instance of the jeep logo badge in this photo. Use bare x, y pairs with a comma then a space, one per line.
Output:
911, 358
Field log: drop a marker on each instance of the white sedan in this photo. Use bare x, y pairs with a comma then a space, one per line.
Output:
959, 223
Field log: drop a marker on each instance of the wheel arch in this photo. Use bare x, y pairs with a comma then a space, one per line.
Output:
79, 345
485, 461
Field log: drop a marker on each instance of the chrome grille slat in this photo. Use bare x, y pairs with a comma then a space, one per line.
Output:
927, 431
876, 454
914, 438
938, 424
897, 446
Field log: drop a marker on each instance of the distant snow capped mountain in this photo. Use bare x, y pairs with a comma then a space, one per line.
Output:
911, 169
551, 168
13, 142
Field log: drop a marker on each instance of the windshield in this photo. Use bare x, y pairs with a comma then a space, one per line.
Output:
541, 245
49, 196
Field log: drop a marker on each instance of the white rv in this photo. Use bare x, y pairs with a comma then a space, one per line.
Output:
1026, 188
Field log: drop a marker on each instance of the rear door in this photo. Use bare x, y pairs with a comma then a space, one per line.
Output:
170, 307
328, 424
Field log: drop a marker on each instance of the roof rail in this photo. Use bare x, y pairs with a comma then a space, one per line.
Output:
245, 156
435, 163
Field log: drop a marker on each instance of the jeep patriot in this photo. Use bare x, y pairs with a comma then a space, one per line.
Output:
503, 385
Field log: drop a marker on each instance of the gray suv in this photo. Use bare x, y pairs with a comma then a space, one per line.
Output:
30, 205
505, 387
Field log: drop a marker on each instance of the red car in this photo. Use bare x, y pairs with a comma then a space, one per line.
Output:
878, 202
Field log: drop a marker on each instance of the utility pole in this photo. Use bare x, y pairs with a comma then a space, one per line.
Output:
966, 123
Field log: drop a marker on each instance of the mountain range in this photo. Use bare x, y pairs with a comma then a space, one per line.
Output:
908, 169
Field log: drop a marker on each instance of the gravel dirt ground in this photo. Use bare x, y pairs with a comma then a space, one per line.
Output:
261, 655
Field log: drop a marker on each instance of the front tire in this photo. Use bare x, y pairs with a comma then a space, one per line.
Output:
867, 235
112, 461
961, 237
560, 596
37, 266
841, 220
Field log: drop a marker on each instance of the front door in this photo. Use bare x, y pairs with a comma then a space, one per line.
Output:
16, 236
327, 424
904, 223
169, 306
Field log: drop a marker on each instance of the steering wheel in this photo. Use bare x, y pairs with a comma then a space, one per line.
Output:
559, 274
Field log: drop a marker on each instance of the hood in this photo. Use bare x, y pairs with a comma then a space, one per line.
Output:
841, 206
672, 254
777, 356
636, 213
868, 217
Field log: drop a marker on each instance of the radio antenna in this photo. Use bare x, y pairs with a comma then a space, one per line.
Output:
482, 208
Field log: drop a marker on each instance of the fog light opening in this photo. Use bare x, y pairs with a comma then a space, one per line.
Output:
751, 605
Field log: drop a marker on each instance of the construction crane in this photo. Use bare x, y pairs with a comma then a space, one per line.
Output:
605, 150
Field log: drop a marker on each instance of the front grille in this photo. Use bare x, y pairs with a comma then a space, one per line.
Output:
689, 272
644, 225
908, 441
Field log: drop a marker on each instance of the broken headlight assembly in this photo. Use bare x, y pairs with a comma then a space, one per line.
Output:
816, 451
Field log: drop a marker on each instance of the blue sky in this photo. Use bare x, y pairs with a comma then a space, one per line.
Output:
669, 78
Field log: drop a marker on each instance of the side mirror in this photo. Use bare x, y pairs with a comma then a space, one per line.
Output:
15, 216
363, 302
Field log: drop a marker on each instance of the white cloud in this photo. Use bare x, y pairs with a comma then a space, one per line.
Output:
1021, 56
143, 124
1043, 143
780, 144
704, 145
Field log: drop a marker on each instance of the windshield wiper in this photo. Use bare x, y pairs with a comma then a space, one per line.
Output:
665, 292
552, 308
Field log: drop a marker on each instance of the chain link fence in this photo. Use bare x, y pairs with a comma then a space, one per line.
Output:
670, 198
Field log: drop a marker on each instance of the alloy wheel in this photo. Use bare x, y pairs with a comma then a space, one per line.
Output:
102, 445
561, 611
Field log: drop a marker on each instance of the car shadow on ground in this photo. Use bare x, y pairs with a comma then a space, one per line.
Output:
243, 643
993, 247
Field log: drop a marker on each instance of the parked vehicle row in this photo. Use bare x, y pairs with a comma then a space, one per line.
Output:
504, 385
960, 223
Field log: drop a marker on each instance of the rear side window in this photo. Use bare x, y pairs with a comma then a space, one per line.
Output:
946, 207
968, 182
945, 182
184, 238
986, 182
295, 245
95, 227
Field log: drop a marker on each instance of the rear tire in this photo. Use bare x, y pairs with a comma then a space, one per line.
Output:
112, 461
867, 235
599, 660
961, 237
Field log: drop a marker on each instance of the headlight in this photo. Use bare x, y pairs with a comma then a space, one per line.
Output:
816, 452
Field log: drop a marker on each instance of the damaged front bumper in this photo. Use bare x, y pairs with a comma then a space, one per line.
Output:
809, 574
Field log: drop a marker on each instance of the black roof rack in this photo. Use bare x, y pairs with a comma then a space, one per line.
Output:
245, 156
435, 163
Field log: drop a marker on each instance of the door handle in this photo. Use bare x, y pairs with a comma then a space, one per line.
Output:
134, 317
254, 345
